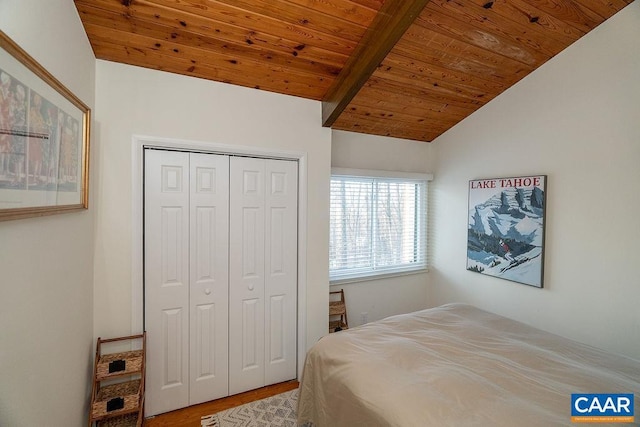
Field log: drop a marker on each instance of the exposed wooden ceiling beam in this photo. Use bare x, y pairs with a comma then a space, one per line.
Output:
391, 22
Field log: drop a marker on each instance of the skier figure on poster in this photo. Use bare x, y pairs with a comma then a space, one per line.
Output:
507, 250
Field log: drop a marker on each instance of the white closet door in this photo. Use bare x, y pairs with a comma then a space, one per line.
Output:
220, 276
281, 243
186, 278
246, 274
166, 280
209, 277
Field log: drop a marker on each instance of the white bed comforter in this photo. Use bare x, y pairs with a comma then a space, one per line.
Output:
453, 365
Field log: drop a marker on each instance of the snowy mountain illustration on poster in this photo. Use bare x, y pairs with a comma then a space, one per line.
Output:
506, 228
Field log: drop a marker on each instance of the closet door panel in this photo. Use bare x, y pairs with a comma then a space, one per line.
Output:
246, 274
166, 280
209, 277
281, 275
220, 276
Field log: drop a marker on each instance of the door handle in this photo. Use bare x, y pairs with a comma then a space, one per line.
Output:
207, 291
251, 287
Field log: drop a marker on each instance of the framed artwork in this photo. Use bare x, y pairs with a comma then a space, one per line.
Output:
506, 228
44, 140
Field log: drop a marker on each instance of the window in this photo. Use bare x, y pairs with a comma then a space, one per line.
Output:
377, 224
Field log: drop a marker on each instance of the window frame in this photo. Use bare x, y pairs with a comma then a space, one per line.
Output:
387, 175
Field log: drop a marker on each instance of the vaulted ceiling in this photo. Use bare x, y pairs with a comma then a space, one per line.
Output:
403, 68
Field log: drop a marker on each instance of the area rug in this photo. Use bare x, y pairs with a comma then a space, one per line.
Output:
274, 411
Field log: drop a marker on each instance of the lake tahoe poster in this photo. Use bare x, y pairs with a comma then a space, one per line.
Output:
506, 228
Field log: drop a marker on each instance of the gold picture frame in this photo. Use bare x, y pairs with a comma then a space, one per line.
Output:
44, 140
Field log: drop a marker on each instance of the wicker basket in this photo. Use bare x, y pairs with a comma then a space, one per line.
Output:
128, 420
117, 364
119, 404
118, 398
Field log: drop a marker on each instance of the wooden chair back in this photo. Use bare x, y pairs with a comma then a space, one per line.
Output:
337, 311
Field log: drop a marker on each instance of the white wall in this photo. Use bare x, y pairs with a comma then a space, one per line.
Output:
381, 298
134, 101
577, 120
46, 264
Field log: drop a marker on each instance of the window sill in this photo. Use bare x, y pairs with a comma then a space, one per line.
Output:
376, 277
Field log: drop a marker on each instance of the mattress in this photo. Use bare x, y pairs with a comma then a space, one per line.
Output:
454, 365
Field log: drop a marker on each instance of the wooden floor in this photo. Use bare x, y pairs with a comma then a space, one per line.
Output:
190, 417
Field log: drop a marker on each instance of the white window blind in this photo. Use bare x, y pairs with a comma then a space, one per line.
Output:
377, 226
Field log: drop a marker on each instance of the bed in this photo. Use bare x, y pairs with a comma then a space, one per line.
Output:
453, 365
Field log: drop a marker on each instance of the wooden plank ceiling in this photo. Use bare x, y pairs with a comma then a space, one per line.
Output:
396, 67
